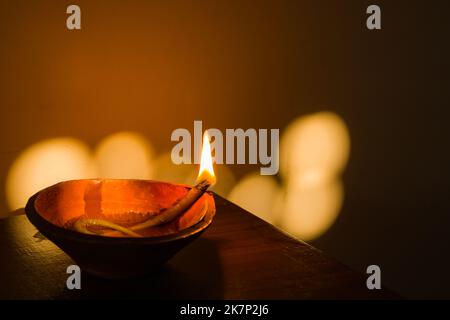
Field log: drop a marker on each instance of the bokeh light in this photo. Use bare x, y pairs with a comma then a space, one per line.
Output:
314, 151
309, 209
256, 194
124, 155
317, 142
46, 163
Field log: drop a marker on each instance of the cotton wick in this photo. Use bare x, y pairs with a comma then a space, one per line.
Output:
178, 208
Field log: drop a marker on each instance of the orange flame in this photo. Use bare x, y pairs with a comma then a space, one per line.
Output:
206, 171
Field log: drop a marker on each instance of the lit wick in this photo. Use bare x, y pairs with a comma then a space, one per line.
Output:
205, 179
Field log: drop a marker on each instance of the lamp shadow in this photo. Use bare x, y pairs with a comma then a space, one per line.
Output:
194, 273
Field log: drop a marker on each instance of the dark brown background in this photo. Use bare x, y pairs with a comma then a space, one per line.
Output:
153, 66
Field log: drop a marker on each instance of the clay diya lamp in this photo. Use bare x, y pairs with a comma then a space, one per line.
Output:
124, 228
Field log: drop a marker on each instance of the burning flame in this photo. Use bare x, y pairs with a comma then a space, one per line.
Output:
206, 171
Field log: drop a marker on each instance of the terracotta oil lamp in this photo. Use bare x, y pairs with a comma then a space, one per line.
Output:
124, 228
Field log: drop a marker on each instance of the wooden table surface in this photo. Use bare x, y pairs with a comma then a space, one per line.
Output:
238, 257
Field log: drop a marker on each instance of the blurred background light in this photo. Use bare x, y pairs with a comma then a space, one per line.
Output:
314, 151
44, 164
318, 142
256, 194
124, 155
308, 210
